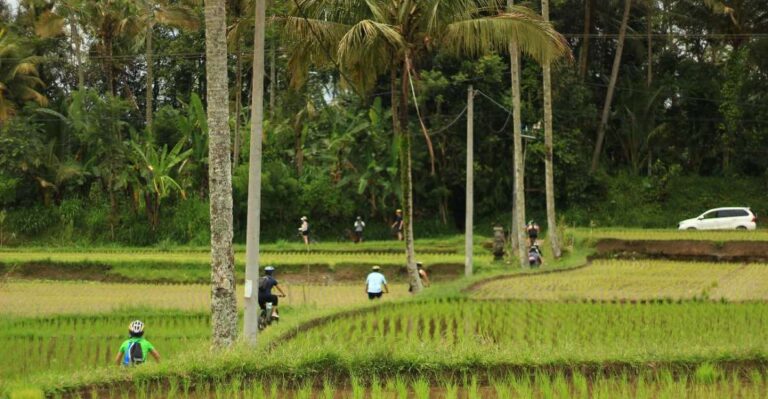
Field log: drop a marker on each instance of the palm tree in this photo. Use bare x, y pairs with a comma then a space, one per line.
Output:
150, 13
549, 178
223, 301
611, 87
519, 163
19, 80
369, 39
111, 23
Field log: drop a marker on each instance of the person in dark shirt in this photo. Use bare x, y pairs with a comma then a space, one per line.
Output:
398, 224
265, 291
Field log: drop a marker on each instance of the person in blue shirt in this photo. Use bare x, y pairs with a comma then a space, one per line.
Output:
266, 284
376, 284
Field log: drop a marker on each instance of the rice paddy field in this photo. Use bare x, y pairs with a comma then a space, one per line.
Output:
636, 280
610, 328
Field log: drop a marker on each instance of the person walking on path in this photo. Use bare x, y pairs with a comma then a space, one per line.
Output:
398, 224
135, 349
376, 284
359, 227
304, 230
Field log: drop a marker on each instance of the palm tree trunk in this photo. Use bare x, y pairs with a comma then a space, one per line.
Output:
549, 178
611, 87
584, 52
519, 219
406, 178
78, 59
254, 176
649, 32
223, 302
150, 76
238, 105
272, 79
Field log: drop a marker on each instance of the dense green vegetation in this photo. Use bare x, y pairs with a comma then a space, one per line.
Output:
88, 154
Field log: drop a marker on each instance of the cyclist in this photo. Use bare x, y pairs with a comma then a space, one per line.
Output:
533, 232
265, 291
376, 284
135, 349
304, 230
422, 276
534, 256
359, 227
398, 224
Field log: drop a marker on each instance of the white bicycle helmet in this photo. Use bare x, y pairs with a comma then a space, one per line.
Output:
269, 269
136, 327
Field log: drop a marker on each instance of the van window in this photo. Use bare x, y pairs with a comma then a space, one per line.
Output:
731, 213
709, 215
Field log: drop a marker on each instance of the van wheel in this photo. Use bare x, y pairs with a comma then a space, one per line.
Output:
741, 228
691, 228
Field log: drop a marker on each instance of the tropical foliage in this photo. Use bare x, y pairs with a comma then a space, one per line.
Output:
77, 80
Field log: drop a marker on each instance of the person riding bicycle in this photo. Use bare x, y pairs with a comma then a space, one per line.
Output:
135, 349
534, 256
359, 227
266, 284
304, 230
376, 284
422, 276
533, 232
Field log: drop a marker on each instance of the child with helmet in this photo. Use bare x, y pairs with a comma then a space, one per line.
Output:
135, 349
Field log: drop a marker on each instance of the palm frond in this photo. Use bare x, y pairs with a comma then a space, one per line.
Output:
534, 36
180, 17
49, 24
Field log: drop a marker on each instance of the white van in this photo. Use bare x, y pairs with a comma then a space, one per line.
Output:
721, 219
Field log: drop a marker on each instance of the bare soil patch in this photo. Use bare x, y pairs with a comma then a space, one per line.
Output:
685, 250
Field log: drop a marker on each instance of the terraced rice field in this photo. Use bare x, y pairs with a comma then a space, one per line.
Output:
632, 280
76, 343
41, 298
504, 332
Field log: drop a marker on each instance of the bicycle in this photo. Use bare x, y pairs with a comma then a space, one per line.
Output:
265, 317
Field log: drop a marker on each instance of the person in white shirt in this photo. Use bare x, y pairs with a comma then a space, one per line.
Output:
304, 230
376, 284
359, 227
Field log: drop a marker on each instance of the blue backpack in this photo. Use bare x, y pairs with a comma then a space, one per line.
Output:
134, 355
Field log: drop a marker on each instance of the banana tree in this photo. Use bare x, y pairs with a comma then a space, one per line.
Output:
155, 169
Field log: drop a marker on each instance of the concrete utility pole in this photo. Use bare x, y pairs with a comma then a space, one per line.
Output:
470, 209
251, 322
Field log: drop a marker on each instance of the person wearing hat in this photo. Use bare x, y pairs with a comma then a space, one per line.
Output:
304, 230
266, 284
135, 349
376, 284
398, 224
359, 227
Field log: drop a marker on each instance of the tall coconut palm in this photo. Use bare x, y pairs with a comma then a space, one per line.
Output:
151, 13
519, 163
611, 87
19, 80
368, 39
549, 178
223, 301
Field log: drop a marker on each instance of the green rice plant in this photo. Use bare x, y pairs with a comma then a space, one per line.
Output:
401, 388
502, 389
421, 388
328, 390
706, 373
